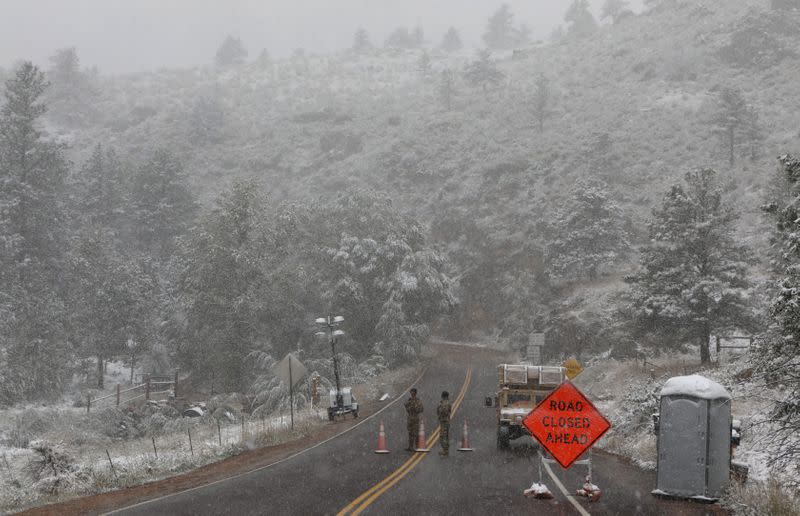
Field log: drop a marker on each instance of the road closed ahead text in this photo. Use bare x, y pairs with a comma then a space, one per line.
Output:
566, 424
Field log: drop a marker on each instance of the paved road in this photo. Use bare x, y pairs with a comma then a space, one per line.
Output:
344, 476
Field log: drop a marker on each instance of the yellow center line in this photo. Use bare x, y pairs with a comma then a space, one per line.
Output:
372, 494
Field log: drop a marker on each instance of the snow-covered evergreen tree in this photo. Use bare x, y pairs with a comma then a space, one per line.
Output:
588, 234
500, 31
447, 88
112, 298
206, 120
361, 42
693, 281
614, 9
483, 71
163, 206
231, 52
225, 289
424, 66
451, 41
580, 19
101, 191
32, 255
541, 100
736, 123
779, 353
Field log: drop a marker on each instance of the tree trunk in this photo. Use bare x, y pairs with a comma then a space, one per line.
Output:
99, 371
705, 356
730, 148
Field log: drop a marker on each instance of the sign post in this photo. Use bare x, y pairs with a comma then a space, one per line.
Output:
290, 370
535, 345
566, 424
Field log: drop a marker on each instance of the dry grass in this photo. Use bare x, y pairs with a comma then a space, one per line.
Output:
758, 498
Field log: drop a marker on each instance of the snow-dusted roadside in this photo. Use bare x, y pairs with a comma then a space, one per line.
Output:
627, 393
85, 440
135, 461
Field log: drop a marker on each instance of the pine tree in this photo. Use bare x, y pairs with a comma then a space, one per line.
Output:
400, 38
588, 234
32, 233
541, 100
226, 287
779, 354
206, 120
447, 88
361, 43
500, 31
580, 18
483, 71
111, 299
163, 206
418, 36
424, 66
100, 190
65, 71
451, 42
614, 9
231, 52
736, 123
693, 281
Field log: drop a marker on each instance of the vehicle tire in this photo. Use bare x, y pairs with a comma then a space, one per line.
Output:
503, 438
355, 413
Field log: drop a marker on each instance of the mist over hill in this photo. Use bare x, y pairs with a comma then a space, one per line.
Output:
616, 186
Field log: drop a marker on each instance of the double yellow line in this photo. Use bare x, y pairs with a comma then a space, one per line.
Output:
370, 495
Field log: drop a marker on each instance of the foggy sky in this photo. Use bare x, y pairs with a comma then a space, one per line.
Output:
133, 35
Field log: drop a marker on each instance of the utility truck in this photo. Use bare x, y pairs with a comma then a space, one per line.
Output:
521, 387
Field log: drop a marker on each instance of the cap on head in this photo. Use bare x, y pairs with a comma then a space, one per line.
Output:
445, 395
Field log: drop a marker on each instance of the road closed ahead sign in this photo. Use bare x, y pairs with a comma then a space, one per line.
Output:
566, 424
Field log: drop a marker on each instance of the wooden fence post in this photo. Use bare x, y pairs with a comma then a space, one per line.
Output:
219, 433
118, 395
154, 447
147, 389
112, 465
88, 402
175, 385
10, 473
191, 449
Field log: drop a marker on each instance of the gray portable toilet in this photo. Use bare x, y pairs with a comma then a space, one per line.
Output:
694, 438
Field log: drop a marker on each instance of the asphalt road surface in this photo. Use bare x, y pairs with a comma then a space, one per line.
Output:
344, 476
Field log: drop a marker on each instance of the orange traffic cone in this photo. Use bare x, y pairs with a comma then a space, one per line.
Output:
382, 441
422, 443
465, 439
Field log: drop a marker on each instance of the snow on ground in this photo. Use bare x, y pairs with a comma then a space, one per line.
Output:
628, 394
128, 437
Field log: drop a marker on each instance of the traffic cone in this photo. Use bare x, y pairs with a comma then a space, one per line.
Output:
382, 441
465, 439
422, 443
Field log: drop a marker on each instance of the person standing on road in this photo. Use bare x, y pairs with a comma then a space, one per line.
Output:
413, 410
443, 412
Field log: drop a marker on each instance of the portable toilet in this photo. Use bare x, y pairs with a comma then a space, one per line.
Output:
694, 439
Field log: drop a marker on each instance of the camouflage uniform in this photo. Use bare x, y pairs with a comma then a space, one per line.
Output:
443, 412
413, 410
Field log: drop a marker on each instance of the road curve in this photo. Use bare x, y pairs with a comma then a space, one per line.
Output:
344, 476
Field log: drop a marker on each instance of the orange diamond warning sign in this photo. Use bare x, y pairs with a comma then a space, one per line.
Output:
566, 424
